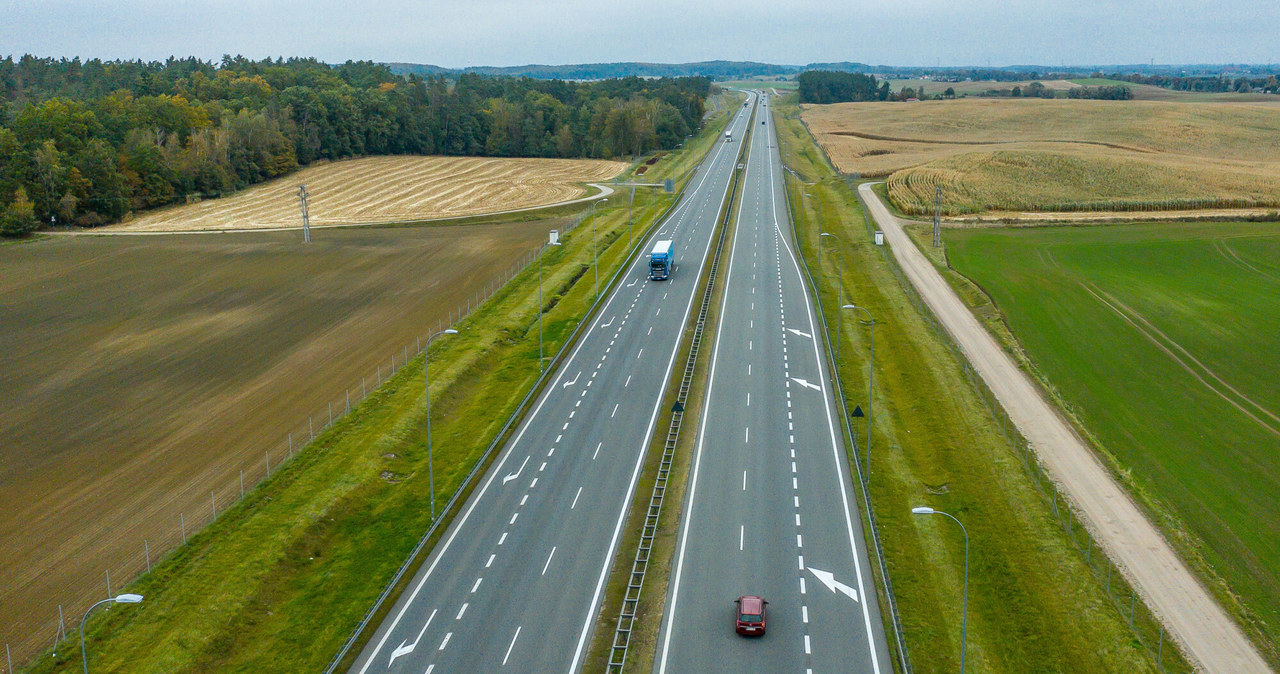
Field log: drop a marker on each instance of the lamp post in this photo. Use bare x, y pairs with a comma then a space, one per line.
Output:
542, 248
426, 390
119, 599
871, 379
820, 235
594, 251
964, 613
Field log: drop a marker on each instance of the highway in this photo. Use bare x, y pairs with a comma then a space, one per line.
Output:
771, 508
516, 581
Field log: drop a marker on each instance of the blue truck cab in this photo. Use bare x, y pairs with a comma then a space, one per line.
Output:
661, 261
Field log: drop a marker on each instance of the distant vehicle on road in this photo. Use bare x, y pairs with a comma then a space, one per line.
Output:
728, 136
661, 260
749, 615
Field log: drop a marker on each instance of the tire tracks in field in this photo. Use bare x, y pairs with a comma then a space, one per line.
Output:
1168, 346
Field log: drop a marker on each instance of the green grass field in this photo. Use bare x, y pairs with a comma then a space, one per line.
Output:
1161, 341
1034, 604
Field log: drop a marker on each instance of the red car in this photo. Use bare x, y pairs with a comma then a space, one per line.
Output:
749, 616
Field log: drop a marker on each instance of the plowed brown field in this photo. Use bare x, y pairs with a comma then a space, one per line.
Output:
388, 189
141, 375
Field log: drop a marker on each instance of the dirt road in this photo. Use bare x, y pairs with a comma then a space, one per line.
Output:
1209, 637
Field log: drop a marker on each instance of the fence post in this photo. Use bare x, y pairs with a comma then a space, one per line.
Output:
62, 624
108, 583
213, 504
348, 402
182, 522
8, 657
363, 395
311, 430
1160, 650
330, 413
146, 551
1133, 603
267, 454
242, 480
290, 456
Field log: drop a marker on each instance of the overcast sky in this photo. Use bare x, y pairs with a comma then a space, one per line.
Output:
517, 32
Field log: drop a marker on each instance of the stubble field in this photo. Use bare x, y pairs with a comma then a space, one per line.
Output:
388, 189
142, 374
1035, 155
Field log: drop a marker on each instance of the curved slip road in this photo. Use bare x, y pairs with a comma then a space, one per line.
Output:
515, 583
1187, 610
770, 508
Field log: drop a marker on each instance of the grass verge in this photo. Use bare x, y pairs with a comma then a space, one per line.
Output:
1033, 605
280, 579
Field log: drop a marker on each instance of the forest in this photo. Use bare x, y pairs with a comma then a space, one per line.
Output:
822, 86
85, 143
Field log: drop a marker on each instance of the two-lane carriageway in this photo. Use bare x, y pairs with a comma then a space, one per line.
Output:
771, 509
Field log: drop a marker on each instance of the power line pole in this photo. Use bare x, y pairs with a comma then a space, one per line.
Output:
937, 218
306, 216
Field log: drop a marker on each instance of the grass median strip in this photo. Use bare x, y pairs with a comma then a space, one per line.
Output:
1033, 604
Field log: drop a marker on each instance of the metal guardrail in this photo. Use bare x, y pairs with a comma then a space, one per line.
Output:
515, 418
640, 563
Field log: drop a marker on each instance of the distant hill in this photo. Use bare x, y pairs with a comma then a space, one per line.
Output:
734, 70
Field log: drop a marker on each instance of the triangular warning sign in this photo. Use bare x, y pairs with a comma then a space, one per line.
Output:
857, 412
677, 407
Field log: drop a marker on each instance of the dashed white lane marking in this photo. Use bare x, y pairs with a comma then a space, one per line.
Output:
548, 564
502, 539
615, 410
799, 541
748, 399
461, 611
641, 353
542, 467
513, 645
523, 499
534, 483
804, 614
624, 385
801, 584
575, 499
806, 645
746, 435
593, 456
513, 518
490, 562
742, 536
797, 519
801, 561
744, 480
445, 642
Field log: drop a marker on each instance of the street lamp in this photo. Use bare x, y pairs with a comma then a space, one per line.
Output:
426, 389
871, 378
820, 235
541, 248
119, 599
594, 251
964, 614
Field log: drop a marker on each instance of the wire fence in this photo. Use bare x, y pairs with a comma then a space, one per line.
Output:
167, 525
1147, 629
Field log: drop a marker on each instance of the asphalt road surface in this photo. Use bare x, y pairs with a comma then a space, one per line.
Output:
515, 583
1192, 616
771, 509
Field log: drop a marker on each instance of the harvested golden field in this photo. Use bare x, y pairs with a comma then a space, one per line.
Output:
388, 189
1040, 155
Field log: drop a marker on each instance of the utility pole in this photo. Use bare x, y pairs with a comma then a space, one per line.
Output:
937, 218
306, 215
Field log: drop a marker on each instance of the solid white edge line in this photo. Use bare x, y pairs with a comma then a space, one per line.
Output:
607, 563
495, 470
697, 455
841, 467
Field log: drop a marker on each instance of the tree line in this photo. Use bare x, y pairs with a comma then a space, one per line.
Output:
825, 86
1221, 84
87, 142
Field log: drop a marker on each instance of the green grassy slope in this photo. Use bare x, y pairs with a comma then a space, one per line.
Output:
1161, 339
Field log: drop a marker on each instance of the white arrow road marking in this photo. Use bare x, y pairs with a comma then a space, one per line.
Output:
633, 283
802, 334
516, 474
805, 383
610, 322
405, 647
571, 383
828, 579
